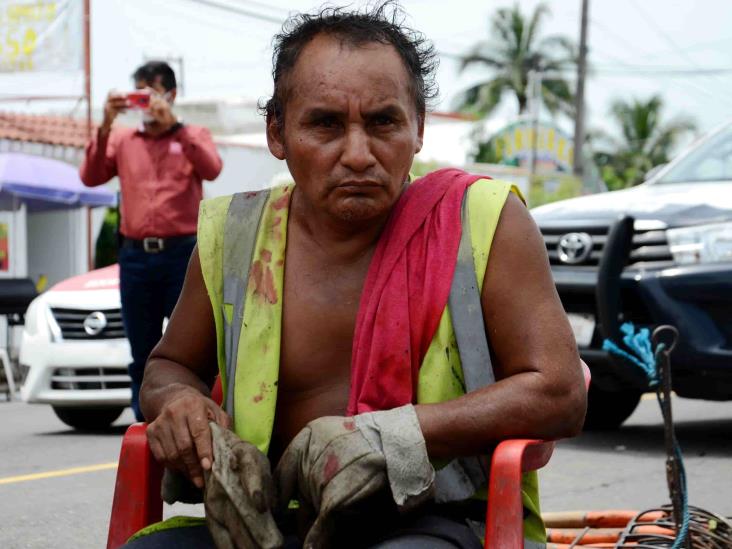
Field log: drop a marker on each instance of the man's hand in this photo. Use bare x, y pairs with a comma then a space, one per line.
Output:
115, 104
336, 462
180, 436
161, 111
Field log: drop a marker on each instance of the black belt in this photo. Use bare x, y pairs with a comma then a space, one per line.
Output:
154, 245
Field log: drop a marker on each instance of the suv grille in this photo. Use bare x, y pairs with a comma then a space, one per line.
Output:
650, 248
108, 325
89, 378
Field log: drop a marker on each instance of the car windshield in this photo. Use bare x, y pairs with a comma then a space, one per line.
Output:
710, 161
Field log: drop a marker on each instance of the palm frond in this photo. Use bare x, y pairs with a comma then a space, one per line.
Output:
534, 25
477, 58
483, 98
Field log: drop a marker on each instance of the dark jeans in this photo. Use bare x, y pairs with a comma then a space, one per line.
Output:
422, 532
149, 285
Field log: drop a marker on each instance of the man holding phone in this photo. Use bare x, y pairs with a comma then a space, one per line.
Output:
161, 166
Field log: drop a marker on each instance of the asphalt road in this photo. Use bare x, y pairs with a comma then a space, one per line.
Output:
623, 469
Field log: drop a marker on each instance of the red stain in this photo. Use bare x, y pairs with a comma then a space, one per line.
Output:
275, 231
331, 467
263, 280
262, 390
280, 262
349, 425
281, 202
266, 256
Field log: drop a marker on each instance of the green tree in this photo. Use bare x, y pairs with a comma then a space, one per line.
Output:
106, 247
644, 141
515, 49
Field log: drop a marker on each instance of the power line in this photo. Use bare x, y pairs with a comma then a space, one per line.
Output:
174, 6
640, 70
691, 47
239, 11
263, 5
671, 42
633, 49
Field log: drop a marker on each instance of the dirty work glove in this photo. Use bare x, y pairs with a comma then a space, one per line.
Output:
239, 495
335, 462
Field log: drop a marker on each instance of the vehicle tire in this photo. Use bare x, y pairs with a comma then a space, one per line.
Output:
88, 418
609, 409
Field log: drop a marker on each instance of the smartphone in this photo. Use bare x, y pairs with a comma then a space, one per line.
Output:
139, 99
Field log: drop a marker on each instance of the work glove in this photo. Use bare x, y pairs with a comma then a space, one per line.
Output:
239, 494
336, 462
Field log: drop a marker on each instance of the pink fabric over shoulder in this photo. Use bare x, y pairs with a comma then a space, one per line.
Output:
406, 290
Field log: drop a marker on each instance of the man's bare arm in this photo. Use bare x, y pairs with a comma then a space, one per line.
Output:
175, 394
540, 391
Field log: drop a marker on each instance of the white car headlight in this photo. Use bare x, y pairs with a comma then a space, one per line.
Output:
701, 244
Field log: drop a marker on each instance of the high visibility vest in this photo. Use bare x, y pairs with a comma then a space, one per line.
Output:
257, 347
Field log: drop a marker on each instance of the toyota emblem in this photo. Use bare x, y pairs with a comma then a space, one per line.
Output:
574, 248
95, 323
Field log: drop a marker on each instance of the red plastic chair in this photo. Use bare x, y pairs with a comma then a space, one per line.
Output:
137, 502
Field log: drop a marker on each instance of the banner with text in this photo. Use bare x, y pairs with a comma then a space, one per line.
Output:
41, 35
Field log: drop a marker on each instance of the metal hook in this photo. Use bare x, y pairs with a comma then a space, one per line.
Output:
666, 332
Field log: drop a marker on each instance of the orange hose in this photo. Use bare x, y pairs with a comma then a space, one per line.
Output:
591, 537
612, 518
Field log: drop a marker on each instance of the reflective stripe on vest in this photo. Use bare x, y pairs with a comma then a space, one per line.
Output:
240, 236
463, 477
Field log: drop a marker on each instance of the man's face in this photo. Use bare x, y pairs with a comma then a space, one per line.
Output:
350, 128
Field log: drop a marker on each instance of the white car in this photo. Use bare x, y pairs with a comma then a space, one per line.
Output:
74, 353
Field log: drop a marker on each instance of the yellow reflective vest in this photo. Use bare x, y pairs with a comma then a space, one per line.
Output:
258, 356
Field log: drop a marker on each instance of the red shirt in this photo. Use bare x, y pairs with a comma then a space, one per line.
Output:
160, 177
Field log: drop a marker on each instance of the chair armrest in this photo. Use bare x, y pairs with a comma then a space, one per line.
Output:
504, 521
137, 501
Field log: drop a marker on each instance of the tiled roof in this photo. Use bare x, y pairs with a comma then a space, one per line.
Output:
50, 129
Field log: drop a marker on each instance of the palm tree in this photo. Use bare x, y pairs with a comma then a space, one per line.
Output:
644, 141
514, 51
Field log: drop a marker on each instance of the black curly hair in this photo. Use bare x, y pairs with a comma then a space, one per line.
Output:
382, 23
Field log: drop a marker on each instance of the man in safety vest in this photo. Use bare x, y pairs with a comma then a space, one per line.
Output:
337, 313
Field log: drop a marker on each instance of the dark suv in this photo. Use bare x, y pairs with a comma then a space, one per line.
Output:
677, 270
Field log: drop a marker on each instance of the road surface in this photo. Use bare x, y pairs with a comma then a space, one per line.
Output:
56, 485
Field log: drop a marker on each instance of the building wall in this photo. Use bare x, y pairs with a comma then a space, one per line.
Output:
57, 244
246, 168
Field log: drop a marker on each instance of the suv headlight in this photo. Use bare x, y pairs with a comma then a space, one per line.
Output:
701, 244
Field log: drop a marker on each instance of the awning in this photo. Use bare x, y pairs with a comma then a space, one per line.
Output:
36, 178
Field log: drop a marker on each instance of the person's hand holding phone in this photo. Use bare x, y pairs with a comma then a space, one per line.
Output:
115, 104
160, 109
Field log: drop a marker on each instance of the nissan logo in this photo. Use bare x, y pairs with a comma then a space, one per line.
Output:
95, 323
574, 248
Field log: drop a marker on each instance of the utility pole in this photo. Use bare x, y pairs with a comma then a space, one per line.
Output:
87, 66
89, 123
579, 122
